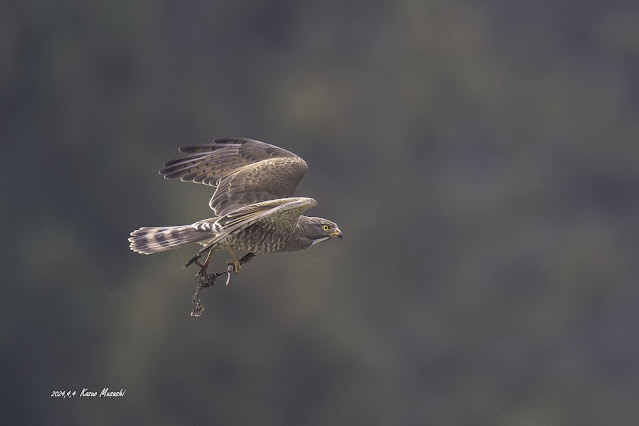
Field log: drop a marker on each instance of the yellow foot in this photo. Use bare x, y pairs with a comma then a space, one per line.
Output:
235, 262
236, 266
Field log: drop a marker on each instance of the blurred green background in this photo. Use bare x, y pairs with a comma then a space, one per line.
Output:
481, 158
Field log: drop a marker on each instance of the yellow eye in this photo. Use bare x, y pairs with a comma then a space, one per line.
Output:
325, 227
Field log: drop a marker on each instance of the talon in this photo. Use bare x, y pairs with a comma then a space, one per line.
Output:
203, 266
236, 266
235, 262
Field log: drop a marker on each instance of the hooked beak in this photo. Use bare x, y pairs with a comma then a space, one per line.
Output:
337, 234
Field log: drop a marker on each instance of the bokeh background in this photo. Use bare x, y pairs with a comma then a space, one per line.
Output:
481, 158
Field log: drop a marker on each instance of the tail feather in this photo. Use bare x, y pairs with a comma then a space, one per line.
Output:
149, 240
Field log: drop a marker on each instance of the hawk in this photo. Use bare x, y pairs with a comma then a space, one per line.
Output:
254, 206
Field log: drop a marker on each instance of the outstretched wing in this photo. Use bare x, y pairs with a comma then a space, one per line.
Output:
245, 171
281, 214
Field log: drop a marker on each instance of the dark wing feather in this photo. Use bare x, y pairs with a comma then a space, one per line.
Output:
280, 213
245, 171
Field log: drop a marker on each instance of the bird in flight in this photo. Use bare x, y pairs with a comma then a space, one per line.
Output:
254, 204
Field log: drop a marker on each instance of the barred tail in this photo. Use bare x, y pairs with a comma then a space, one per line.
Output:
156, 239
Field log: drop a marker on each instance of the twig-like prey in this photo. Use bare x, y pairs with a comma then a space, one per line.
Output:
207, 280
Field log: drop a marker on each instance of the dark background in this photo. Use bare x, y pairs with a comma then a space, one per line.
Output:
481, 159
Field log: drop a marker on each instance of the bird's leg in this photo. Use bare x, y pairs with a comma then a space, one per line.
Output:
204, 266
247, 257
209, 279
235, 262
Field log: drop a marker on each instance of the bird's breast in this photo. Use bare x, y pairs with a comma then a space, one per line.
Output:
259, 240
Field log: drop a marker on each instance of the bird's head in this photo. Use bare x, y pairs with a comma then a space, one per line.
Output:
318, 229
